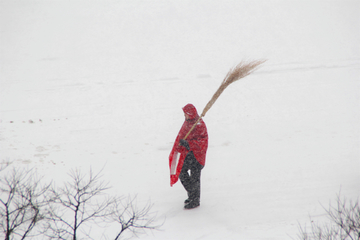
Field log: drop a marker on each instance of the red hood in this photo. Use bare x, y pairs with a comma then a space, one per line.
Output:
190, 110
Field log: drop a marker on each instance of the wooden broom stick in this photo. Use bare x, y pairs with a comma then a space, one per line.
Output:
240, 71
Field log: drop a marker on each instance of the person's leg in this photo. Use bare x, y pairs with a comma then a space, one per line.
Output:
193, 181
195, 173
184, 174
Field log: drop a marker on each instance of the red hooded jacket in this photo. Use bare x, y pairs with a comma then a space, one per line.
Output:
197, 139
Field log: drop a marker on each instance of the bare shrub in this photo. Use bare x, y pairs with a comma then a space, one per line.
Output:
82, 202
30, 209
128, 216
23, 203
344, 223
79, 202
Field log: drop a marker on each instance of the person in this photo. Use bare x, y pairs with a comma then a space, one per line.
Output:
189, 156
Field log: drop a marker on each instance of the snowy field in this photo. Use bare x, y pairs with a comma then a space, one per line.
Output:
101, 84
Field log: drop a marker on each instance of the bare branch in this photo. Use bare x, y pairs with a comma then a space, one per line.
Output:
29, 209
23, 202
130, 217
345, 223
4, 164
81, 200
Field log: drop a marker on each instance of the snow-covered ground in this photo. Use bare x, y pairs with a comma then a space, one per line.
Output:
102, 84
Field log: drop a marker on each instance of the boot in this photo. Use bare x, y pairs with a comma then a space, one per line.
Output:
192, 204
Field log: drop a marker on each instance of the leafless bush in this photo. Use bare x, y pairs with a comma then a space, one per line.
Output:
23, 202
83, 203
128, 216
344, 223
29, 209
79, 202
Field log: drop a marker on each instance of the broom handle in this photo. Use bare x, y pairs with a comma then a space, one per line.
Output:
207, 107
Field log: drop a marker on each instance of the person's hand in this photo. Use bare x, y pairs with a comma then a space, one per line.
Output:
185, 144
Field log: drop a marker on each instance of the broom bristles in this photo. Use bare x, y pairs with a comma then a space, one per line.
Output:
241, 70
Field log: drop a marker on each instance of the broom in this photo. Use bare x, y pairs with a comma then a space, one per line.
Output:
240, 71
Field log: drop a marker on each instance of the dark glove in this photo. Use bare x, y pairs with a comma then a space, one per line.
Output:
185, 144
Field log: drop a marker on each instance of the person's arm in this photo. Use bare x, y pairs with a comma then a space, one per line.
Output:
185, 144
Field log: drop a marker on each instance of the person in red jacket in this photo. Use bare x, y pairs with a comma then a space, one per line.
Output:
189, 156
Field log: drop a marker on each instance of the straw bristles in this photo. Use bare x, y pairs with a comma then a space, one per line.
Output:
241, 70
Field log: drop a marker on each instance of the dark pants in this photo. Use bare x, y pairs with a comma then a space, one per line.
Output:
191, 182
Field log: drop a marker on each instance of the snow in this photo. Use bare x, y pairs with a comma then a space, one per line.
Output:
101, 84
